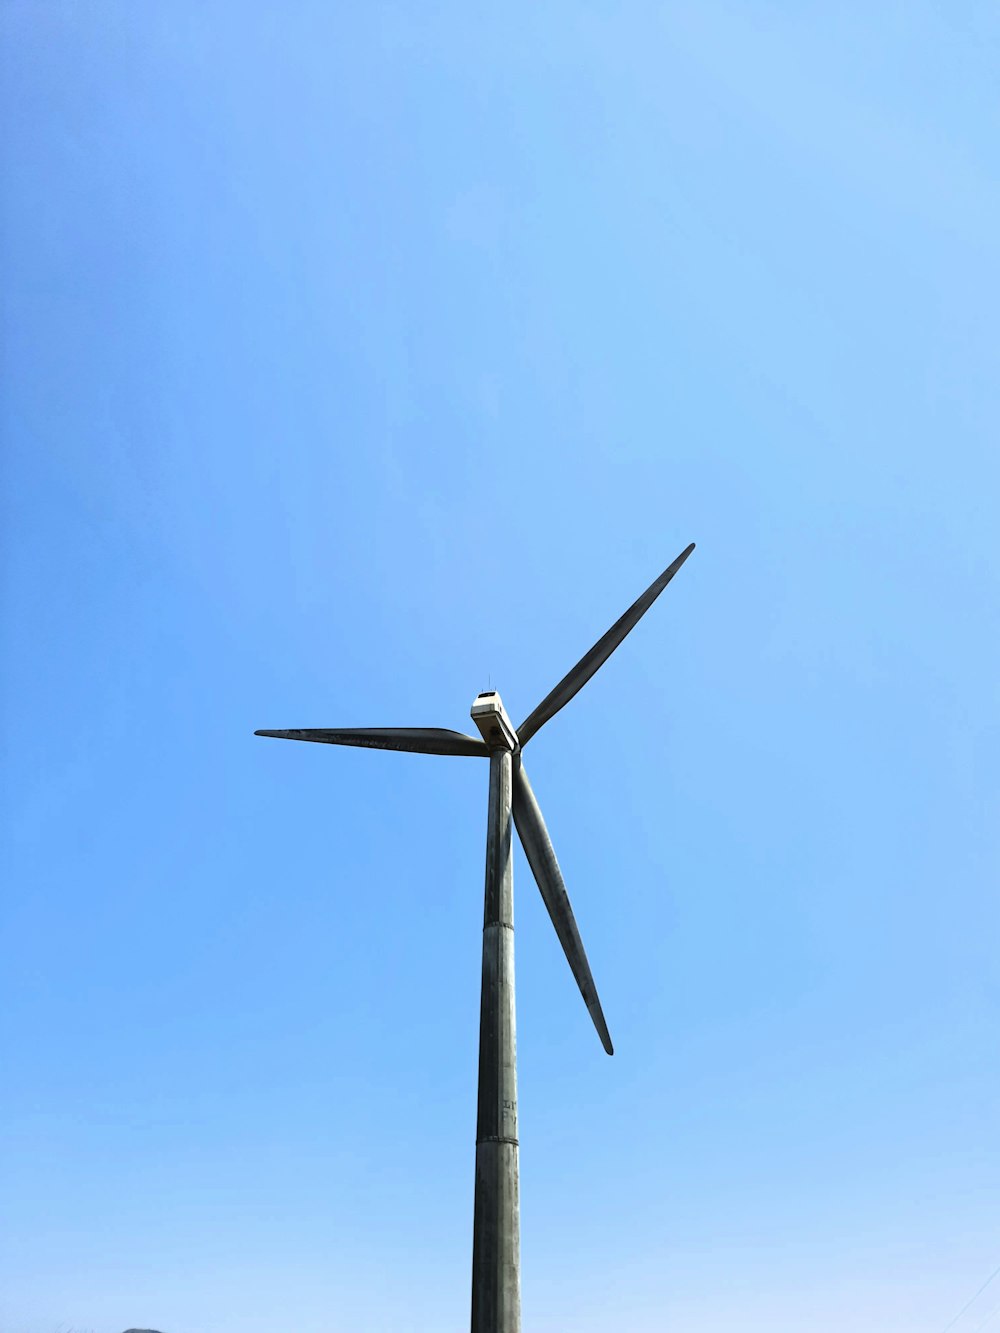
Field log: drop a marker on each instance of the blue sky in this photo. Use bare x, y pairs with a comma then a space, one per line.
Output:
359, 356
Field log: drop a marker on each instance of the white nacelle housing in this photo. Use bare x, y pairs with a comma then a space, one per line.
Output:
494, 725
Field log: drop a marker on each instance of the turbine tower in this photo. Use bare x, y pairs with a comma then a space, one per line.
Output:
496, 1266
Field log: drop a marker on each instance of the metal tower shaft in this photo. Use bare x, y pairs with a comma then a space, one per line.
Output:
496, 1257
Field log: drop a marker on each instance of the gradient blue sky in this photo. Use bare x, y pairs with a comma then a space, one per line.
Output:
356, 356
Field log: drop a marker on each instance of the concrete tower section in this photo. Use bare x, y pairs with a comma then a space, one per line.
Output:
496, 1240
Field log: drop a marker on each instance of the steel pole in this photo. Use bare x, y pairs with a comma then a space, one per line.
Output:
496, 1258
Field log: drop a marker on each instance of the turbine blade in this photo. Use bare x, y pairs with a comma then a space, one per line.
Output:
598, 655
420, 740
542, 858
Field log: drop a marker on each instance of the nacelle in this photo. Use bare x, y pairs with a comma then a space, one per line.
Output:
494, 725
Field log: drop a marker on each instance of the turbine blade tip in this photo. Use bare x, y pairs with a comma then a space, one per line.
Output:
600, 1023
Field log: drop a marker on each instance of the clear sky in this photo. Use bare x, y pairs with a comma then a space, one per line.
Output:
357, 356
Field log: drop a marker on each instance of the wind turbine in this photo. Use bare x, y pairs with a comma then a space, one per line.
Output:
496, 1280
